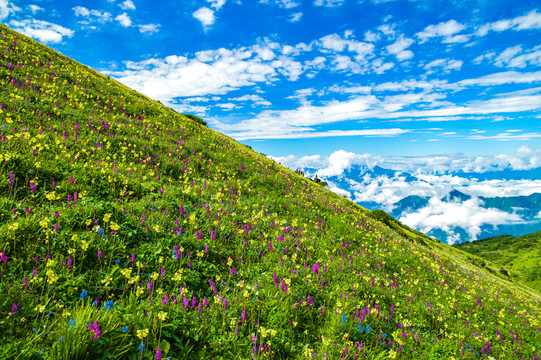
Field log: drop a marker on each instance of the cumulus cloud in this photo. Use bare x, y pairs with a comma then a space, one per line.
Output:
127, 5
434, 177
516, 57
439, 166
447, 30
530, 21
33, 8
124, 20
444, 65
217, 4
468, 215
256, 99
295, 17
92, 15
40, 30
328, 3
399, 47
205, 16
286, 4
7, 8
206, 72
149, 28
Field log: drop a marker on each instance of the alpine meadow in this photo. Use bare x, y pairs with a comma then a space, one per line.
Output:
131, 231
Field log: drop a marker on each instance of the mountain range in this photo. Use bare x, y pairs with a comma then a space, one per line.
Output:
440, 197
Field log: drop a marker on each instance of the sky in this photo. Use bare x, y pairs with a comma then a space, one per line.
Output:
427, 87
292, 77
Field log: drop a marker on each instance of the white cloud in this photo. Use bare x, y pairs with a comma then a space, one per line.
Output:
295, 17
445, 65
256, 99
487, 56
335, 189
532, 20
40, 30
92, 15
507, 77
124, 20
388, 30
341, 89
434, 169
33, 8
379, 67
328, 3
338, 162
398, 48
515, 57
217, 4
149, 28
507, 136
207, 72
447, 30
435, 177
287, 4
7, 8
371, 36
448, 215
205, 16
127, 5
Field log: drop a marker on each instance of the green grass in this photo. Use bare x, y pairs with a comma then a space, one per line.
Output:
128, 230
520, 256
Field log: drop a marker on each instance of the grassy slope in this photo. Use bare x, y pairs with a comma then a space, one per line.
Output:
126, 228
520, 255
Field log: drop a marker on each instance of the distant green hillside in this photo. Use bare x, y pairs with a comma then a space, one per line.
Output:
130, 231
520, 255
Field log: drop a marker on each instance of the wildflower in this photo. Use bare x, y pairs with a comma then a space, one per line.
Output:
162, 315
142, 333
159, 352
141, 348
108, 305
125, 329
14, 308
84, 294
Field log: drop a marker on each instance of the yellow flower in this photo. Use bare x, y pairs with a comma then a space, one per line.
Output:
115, 226
142, 333
162, 315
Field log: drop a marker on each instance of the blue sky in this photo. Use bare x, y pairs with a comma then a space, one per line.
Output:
291, 77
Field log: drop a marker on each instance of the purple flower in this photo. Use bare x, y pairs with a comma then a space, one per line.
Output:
14, 308
158, 354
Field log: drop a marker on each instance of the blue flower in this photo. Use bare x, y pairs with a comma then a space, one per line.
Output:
367, 329
84, 294
360, 327
141, 348
343, 319
125, 329
108, 305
